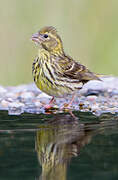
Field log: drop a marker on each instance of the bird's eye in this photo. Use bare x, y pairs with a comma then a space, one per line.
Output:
45, 36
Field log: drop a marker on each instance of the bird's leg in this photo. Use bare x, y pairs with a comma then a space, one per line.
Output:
48, 106
71, 101
52, 100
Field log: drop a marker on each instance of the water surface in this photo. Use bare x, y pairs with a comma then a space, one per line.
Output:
58, 146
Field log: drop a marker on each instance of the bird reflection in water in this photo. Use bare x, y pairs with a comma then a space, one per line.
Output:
57, 141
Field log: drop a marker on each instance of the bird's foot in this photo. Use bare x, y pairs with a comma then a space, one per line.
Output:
68, 105
50, 105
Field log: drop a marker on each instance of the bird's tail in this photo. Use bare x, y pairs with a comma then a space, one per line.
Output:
100, 76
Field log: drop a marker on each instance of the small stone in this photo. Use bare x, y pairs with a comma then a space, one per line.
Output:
10, 99
89, 107
95, 85
2, 90
91, 98
81, 104
4, 103
44, 98
110, 82
95, 107
24, 88
12, 95
15, 108
16, 105
27, 95
114, 92
37, 104
15, 111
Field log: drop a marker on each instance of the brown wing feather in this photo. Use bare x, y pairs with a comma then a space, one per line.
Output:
74, 70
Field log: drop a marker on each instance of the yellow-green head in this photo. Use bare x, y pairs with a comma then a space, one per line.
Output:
47, 38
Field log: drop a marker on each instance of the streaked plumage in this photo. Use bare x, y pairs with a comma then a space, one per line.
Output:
54, 72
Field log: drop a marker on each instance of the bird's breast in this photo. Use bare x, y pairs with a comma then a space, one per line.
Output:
49, 80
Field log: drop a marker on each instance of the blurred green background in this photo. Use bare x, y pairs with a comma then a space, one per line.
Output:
89, 30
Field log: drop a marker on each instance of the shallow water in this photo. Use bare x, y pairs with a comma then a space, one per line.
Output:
58, 146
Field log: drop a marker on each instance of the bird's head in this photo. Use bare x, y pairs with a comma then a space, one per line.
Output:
48, 39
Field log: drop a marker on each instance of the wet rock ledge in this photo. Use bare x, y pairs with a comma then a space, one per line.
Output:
96, 96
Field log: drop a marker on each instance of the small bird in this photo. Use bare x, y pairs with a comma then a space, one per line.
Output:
54, 72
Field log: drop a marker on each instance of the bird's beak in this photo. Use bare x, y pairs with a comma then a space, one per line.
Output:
35, 37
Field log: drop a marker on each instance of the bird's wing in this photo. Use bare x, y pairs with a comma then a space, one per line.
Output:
74, 70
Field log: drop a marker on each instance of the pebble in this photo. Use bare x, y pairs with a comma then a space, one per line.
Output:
44, 97
94, 87
15, 111
91, 98
4, 103
95, 107
16, 105
27, 95
12, 95
2, 90
37, 104
15, 108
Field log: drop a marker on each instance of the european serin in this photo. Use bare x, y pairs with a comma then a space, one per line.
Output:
54, 72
